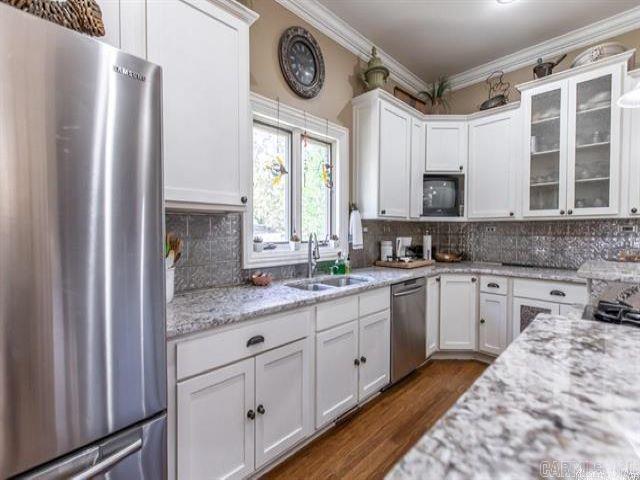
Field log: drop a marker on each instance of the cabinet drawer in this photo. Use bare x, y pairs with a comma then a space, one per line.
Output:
205, 353
491, 284
557, 292
375, 301
336, 312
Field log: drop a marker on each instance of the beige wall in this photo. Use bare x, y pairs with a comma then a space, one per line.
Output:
468, 100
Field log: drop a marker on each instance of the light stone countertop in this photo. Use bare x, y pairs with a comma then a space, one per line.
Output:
202, 310
566, 390
626, 272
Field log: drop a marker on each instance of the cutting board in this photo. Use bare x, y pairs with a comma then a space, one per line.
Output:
398, 264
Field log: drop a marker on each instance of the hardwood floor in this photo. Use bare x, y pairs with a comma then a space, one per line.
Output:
373, 440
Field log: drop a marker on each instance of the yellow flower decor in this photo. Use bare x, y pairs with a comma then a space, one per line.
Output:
277, 169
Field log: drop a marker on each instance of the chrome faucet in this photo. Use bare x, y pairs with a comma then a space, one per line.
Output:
313, 255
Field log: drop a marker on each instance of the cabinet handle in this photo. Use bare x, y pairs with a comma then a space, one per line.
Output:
251, 414
261, 410
482, 320
570, 212
493, 285
383, 212
461, 168
243, 199
255, 340
438, 279
356, 362
363, 359
557, 293
473, 279
511, 214
561, 212
634, 210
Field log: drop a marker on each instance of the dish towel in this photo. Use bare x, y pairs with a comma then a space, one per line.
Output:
355, 230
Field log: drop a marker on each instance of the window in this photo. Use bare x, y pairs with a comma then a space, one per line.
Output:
299, 170
271, 190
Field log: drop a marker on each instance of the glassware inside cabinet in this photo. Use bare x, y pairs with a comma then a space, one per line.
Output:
544, 161
592, 143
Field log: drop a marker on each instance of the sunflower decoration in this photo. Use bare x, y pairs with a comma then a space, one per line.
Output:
277, 169
327, 176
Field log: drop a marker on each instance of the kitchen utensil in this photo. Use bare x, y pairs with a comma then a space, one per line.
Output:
542, 69
401, 246
386, 250
599, 52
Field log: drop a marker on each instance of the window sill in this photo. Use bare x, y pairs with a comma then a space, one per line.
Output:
283, 256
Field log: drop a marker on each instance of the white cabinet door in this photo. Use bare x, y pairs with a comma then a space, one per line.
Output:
493, 323
447, 146
215, 437
544, 111
124, 23
375, 348
525, 310
418, 156
283, 399
593, 185
395, 152
204, 55
336, 372
433, 314
493, 149
458, 312
632, 153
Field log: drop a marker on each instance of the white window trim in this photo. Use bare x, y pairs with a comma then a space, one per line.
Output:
266, 110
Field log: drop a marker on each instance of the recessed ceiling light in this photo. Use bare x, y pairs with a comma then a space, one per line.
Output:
505, 1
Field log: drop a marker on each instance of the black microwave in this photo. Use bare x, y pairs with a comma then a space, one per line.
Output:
441, 196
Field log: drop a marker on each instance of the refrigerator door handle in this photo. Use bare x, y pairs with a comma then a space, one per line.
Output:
109, 461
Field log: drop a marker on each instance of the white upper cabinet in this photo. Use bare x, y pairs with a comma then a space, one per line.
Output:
458, 312
203, 49
395, 151
417, 168
124, 23
573, 142
493, 160
447, 146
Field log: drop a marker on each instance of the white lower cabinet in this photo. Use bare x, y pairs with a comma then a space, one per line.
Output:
283, 400
525, 310
433, 314
458, 312
236, 419
493, 323
215, 437
375, 353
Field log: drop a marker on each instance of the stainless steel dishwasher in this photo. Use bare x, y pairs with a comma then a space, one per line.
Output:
408, 327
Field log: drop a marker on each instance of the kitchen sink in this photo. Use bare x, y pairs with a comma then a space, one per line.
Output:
311, 287
344, 281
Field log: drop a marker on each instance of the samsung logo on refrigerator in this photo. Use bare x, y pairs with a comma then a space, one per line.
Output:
129, 73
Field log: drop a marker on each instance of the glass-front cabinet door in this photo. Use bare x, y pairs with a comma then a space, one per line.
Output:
545, 177
594, 142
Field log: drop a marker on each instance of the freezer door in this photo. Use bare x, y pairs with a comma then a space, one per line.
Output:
82, 335
137, 452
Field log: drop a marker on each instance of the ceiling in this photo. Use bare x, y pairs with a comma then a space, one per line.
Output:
435, 37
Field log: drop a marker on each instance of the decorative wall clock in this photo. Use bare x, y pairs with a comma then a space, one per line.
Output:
301, 62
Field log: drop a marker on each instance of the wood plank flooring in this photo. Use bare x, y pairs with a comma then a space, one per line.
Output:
373, 440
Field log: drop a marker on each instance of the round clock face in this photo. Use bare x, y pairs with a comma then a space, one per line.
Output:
301, 62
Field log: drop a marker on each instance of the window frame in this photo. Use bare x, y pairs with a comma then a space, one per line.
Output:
265, 111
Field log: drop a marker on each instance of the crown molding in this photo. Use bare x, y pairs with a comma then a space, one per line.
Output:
348, 37
582, 37
238, 10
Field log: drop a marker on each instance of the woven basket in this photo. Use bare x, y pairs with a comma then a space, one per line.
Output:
81, 15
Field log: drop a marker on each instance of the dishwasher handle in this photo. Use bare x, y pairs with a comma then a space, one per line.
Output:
408, 292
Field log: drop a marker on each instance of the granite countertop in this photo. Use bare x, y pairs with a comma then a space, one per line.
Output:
627, 272
566, 390
194, 312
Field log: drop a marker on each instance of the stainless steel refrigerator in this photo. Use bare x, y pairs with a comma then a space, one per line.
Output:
82, 310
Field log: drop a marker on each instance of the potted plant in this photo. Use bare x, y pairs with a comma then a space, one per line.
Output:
334, 241
257, 244
437, 95
294, 242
